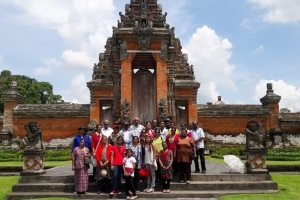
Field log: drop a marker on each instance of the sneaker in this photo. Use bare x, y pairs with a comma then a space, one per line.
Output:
118, 192
112, 192
187, 182
203, 171
133, 197
99, 192
197, 171
128, 197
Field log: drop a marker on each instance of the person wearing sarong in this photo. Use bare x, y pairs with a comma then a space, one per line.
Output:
165, 162
81, 176
103, 172
183, 148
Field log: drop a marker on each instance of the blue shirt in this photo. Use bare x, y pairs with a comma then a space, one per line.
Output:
76, 141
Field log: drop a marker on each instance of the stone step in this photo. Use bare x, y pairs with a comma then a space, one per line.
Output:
193, 186
154, 195
195, 177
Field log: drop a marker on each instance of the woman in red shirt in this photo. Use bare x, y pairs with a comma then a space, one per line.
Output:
171, 141
149, 130
117, 156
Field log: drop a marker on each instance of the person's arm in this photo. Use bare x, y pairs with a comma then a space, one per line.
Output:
112, 159
154, 154
73, 161
125, 173
171, 161
160, 162
139, 157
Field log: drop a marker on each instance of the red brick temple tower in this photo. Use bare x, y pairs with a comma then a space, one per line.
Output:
143, 71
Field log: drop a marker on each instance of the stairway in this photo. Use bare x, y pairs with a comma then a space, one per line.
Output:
59, 183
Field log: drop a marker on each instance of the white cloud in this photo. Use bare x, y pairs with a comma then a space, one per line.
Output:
246, 23
289, 93
79, 91
42, 71
258, 50
80, 59
210, 55
279, 11
240, 102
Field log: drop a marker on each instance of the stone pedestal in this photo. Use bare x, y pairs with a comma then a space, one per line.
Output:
33, 163
256, 161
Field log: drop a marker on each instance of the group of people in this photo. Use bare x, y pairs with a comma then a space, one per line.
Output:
161, 149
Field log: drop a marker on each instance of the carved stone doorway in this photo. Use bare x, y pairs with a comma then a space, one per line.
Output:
181, 113
144, 87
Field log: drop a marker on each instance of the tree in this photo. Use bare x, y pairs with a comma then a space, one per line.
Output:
34, 92
284, 110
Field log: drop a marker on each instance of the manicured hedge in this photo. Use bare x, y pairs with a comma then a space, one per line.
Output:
280, 154
50, 155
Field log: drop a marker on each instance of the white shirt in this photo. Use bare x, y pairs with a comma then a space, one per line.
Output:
163, 133
107, 132
136, 130
196, 135
127, 137
128, 162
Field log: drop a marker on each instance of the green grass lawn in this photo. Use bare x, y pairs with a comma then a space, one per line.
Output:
269, 162
46, 163
6, 183
287, 185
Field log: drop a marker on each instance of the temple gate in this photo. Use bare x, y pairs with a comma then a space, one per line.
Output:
143, 72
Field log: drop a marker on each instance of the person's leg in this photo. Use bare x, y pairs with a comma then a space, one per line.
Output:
114, 178
202, 160
119, 175
148, 166
188, 171
175, 167
168, 184
136, 178
196, 161
152, 170
158, 173
181, 171
131, 186
163, 183
127, 186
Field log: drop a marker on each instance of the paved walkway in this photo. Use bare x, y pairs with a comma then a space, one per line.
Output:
211, 168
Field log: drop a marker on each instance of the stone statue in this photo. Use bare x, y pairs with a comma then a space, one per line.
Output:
126, 111
127, 8
162, 110
33, 139
254, 137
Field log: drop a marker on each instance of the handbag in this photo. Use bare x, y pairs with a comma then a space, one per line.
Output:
93, 161
87, 160
192, 156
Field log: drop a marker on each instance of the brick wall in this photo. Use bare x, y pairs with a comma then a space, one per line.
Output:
290, 123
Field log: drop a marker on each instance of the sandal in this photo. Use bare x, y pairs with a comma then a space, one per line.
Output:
164, 191
146, 190
168, 191
150, 190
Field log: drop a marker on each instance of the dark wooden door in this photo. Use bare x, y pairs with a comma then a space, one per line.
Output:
144, 95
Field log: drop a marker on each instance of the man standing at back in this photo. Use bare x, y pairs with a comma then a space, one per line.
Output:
136, 127
198, 137
106, 130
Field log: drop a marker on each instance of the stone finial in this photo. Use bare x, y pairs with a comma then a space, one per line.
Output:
12, 94
270, 97
219, 102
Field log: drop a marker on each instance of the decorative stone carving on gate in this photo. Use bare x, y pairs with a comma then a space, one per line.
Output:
256, 153
162, 110
33, 155
126, 110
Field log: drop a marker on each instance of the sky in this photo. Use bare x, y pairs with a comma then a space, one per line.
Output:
236, 46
